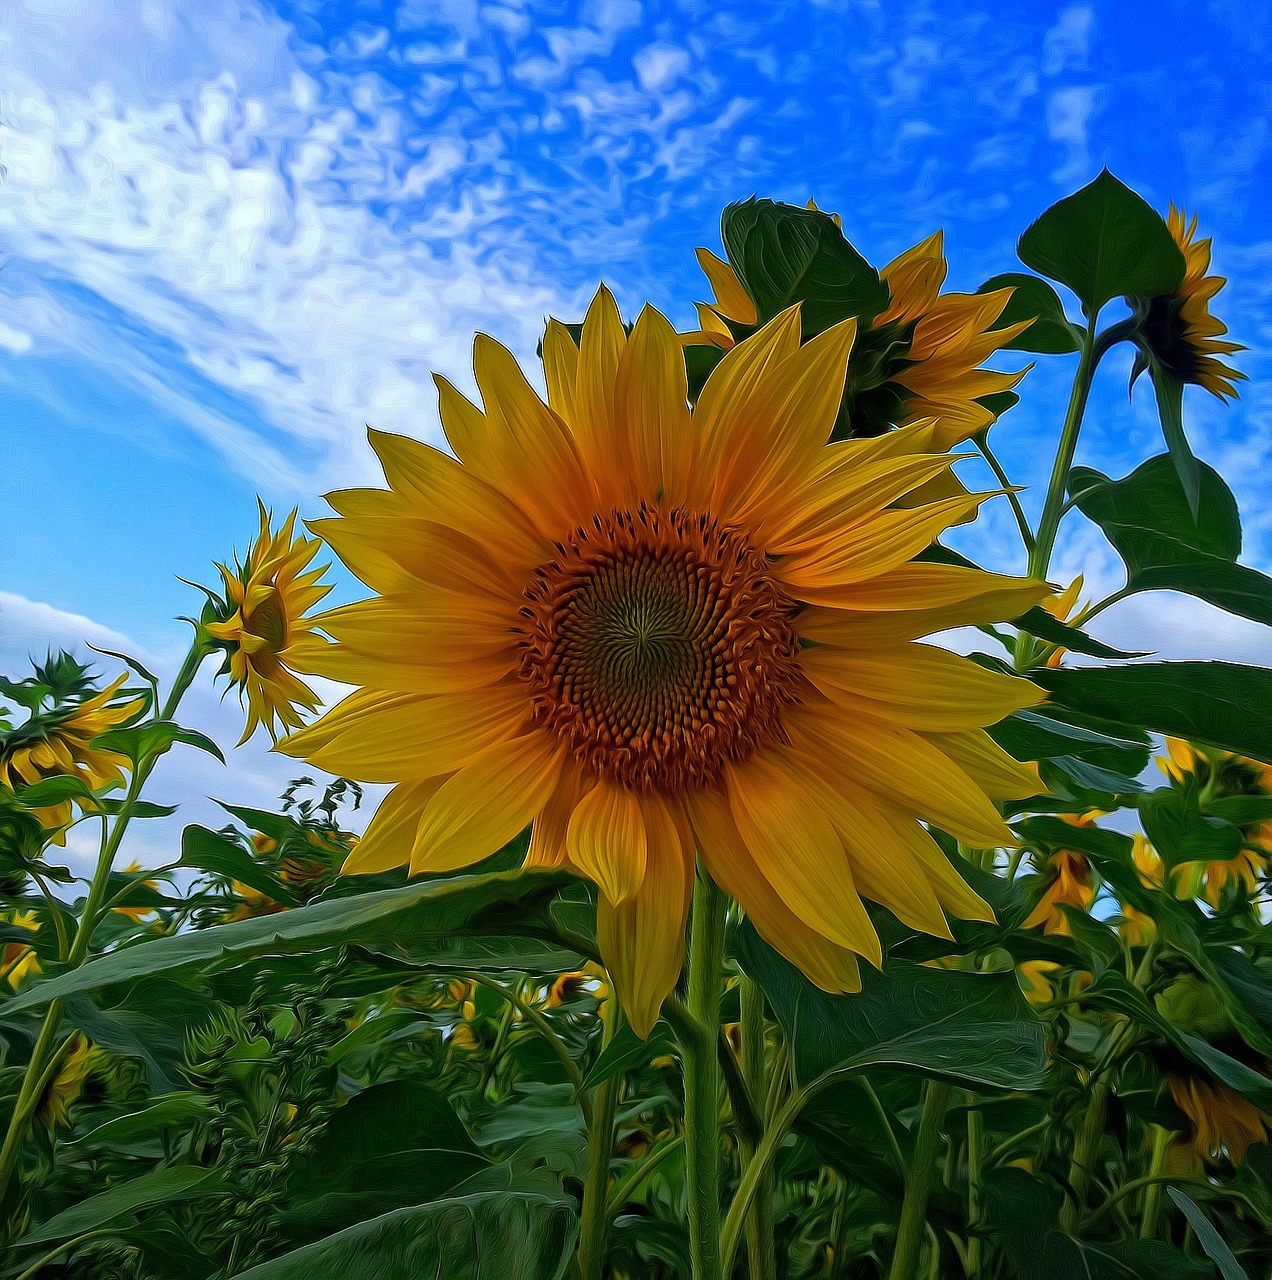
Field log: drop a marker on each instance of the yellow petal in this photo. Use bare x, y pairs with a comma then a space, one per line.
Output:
390, 835
547, 838
642, 939
601, 344
798, 851
999, 774
560, 369
732, 299
493, 798
606, 840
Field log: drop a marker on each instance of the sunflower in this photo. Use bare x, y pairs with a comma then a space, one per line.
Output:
1069, 884
653, 632
1222, 1122
1178, 329
1220, 775
19, 959
919, 359
1135, 926
73, 1069
260, 619
57, 741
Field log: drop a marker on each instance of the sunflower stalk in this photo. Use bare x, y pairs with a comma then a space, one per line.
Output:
594, 1222
703, 1078
919, 1182
35, 1078
760, 1244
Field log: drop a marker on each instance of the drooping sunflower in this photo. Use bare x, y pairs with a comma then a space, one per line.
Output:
653, 632
18, 960
260, 619
1137, 927
919, 359
1178, 328
1219, 775
1222, 1122
56, 739
1070, 883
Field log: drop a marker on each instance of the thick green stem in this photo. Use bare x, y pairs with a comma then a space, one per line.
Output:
594, 1221
1153, 1186
1084, 1153
761, 1247
918, 1184
29, 1092
703, 1078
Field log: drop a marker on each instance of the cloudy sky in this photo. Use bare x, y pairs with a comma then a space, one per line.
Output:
232, 235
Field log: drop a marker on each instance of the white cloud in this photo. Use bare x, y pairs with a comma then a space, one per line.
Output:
660, 65
1069, 112
1068, 43
13, 341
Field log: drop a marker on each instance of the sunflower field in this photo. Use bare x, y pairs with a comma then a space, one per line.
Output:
754, 886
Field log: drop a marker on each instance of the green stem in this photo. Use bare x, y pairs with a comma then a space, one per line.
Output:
623, 1190
761, 1245
29, 1091
1153, 1183
1085, 1150
703, 1078
1022, 523
594, 1220
975, 1162
918, 1185
36, 1267
894, 1147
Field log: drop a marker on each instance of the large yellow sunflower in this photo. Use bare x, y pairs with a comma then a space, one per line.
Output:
655, 632
1178, 327
920, 359
262, 617
59, 742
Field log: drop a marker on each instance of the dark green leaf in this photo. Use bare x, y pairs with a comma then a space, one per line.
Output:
395, 1144
1146, 517
278, 826
1220, 703
160, 1186
211, 851
784, 254
972, 1028
1103, 242
1034, 734
1051, 333
1209, 1239
508, 903
1227, 1069
1038, 622
53, 791
628, 1052
154, 738
503, 1235
1180, 832
139, 809
175, 1111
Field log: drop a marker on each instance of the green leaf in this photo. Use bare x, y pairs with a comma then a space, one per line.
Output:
784, 254
503, 1235
278, 826
1180, 832
140, 808
1038, 622
159, 1186
211, 851
628, 1052
154, 738
1051, 333
1170, 409
1103, 242
53, 791
1223, 704
1168, 547
1227, 1069
1210, 1240
971, 1028
514, 903
1043, 734
135, 1132
395, 1144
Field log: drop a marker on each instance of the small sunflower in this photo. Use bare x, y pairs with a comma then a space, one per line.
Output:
56, 739
68, 1083
1136, 926
1178, 329
1070, 883
1222, 1122
18, 960
1221, 774
919, 359
260, 620
654, 632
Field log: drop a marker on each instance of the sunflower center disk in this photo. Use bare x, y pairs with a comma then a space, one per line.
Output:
658, 645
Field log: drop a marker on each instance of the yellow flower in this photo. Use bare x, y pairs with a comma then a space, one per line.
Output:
68, 1083
920, 359
1221, 774
655, 632
266, 599
1179, 329
60, 743
1223, 1122
1035, 977
1137, 928
1070, 884
17, 959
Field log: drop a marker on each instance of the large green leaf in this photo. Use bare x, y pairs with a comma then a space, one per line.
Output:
1179, 830
784, 254
1034, 299
1147, 518
501, 1235
212, 851
1103, 242
1211, 1241
971, 1028
514, 903
1221, 703
158, 1187
395, 1144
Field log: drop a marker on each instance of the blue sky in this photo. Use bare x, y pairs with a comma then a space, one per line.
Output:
231, 235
